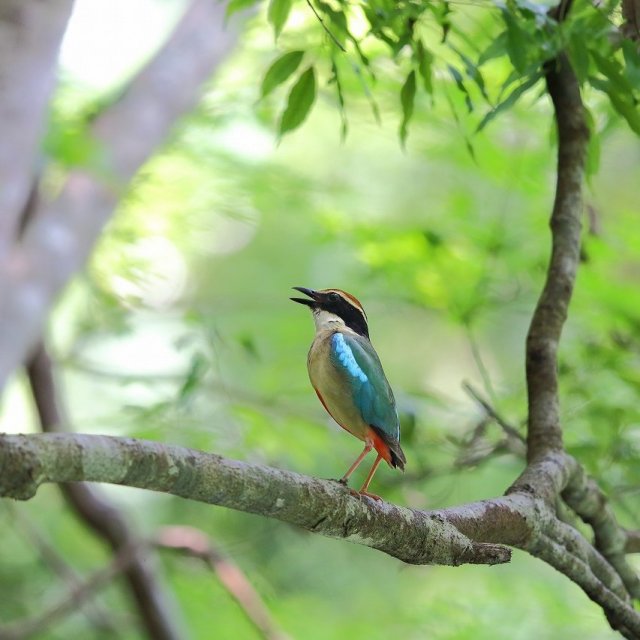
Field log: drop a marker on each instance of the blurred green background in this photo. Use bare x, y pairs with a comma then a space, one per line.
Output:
180, 330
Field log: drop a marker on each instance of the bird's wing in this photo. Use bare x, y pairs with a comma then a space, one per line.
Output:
360, 366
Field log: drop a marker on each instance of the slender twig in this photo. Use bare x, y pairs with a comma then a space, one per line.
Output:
586, 498
324, 26
632, 544
198, 544
480, 364
69, 603
509, 429
98, 616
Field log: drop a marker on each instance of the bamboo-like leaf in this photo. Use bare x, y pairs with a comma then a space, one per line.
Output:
407, 99
496, 49
457, 78
335, 78
301, 99
473, 72
280, 70
277, 14
509, 101
425, 62
518, 41
620, 103
612, 70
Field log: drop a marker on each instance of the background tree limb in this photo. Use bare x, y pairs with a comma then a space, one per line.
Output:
158, 612
30, 36
61, 234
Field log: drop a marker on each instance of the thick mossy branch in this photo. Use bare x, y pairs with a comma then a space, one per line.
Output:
321, 506
472, 533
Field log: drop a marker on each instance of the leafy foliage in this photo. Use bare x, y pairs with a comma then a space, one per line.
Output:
526, 33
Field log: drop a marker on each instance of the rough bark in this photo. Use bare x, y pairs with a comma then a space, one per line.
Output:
631, 15
316, 505
544, 433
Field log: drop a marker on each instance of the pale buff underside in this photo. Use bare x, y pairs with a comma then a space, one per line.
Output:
328, 382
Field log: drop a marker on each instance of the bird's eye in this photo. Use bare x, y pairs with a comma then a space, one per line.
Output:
334, 297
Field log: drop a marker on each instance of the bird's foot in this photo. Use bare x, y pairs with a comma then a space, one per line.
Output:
366, 494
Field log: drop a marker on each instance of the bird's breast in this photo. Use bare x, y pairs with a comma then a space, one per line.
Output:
330, 385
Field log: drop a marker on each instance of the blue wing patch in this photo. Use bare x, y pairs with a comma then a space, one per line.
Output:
346, 359
363, 373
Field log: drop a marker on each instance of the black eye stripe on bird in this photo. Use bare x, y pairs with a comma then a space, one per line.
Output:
348, 378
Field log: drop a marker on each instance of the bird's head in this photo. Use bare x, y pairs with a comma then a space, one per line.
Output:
335, 306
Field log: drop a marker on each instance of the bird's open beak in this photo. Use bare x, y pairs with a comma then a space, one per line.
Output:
307, 292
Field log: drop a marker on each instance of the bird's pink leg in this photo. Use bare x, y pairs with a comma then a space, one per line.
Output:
356, 464
363, 491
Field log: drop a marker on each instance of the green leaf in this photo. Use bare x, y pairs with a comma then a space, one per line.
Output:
424, 58
612, 69
299, 103
335, 79
473, 72
517, 43
407, 99
496, 49
579, 55
627, 110
277, 14
338, 29
238, 5
457, 78
280, 70
632, 62
509, 101
193, 380
593, 149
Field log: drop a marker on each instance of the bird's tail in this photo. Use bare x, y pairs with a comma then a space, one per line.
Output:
389, 448
398, 459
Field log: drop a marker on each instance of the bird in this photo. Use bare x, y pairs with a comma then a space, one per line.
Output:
349, 380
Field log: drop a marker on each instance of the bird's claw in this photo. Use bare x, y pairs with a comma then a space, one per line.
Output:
357, 494
373, 496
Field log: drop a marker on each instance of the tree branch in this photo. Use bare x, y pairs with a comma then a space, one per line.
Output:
30, 36
544, 432
321, 506
633, 542
585, 497
470, 533
196, 543
631, 15
61, 234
